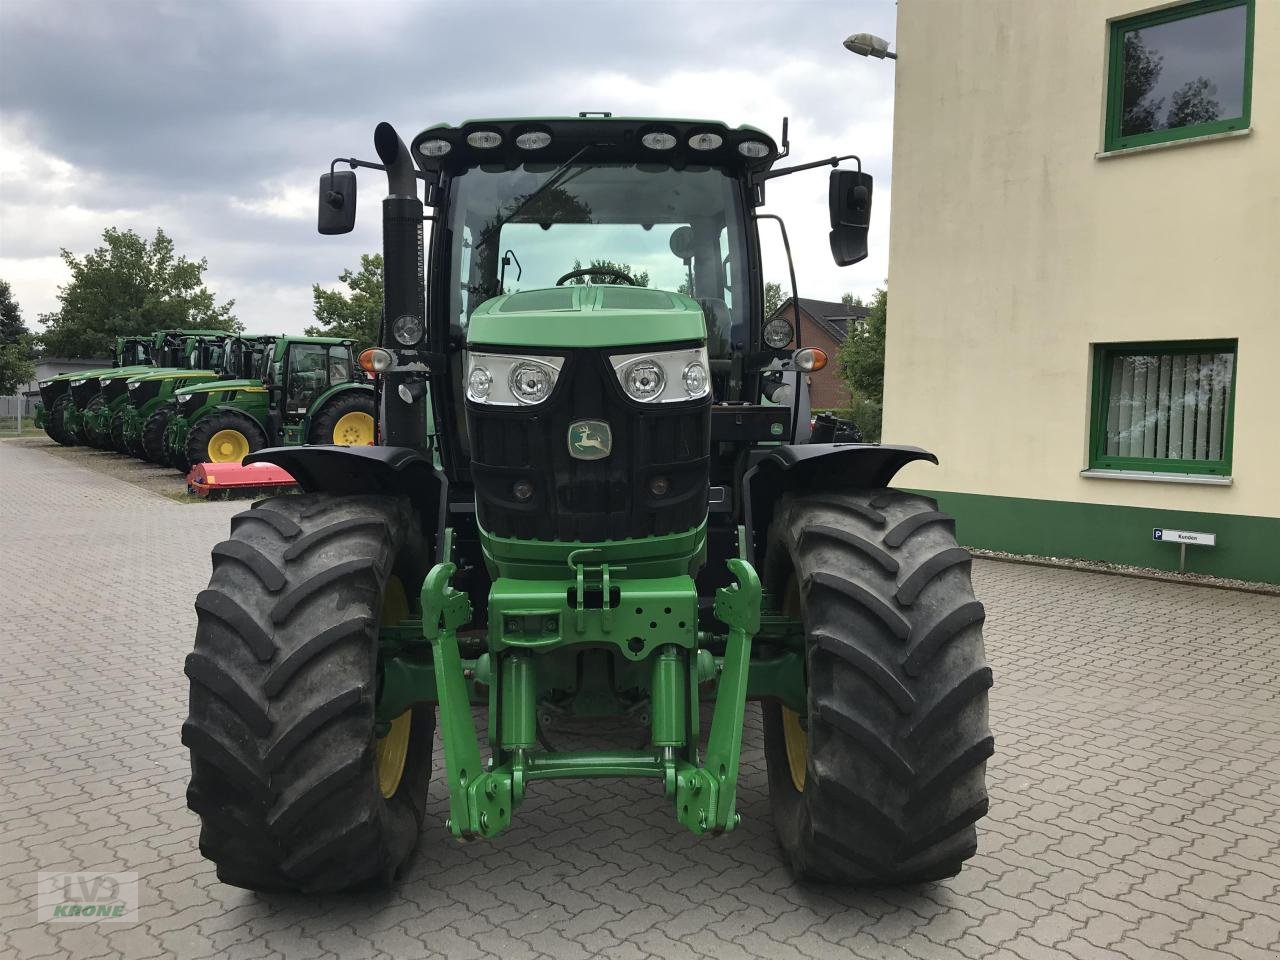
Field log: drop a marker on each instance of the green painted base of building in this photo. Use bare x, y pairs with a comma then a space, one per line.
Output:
1248, 548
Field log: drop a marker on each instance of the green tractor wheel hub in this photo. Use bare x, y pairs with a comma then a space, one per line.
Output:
649, 622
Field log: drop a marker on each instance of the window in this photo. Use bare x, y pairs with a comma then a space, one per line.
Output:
1163, 407
1184, 71
306, 378
339, 364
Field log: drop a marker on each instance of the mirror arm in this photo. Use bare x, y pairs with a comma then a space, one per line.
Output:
353, 163
829, 162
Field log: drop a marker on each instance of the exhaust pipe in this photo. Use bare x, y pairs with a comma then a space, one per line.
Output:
402, 281
402, 181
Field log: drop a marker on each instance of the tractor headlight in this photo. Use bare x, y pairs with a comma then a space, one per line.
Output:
531, 382
695, 379
778, 333
407, 330
478, 383
670, 376
508, 380
134, 385
643, 380
78, 383
186, 398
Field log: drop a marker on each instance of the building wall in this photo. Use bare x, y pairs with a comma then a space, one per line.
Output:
1014, 248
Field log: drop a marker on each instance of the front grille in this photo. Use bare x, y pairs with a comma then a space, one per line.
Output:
114, 388
85, 392
145, 390
590, 500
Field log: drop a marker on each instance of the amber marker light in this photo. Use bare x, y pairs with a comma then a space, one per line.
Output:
810, 359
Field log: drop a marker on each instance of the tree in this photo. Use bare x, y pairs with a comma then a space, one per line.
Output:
129, 287
355, 315
860, 361
16, 344
861, 356
641, 278
772, 298
1194, 103
1141, 73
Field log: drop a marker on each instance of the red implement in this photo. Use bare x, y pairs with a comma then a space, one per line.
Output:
207, 478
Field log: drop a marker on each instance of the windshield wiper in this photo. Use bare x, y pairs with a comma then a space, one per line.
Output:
556, 176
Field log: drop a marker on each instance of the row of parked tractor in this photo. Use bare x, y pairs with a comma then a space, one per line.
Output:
184, 397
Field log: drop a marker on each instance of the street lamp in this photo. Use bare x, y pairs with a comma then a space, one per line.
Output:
869, 45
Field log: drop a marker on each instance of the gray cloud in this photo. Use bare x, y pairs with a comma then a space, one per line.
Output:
214, 119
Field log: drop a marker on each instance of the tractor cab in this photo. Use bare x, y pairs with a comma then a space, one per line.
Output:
300, 371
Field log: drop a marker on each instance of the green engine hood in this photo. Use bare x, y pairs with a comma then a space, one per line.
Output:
97, 373
129, 373
597, 315
174, 374
211, 386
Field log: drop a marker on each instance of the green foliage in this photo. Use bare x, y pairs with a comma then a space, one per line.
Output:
868, 415
355, 315
16, 344
1142, 70
130, 287
1194, 103
860, 362
641, 278
772, 298
860, 359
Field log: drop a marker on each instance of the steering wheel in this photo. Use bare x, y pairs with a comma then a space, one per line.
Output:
596, 271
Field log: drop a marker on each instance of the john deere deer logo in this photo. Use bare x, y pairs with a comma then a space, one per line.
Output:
590, 440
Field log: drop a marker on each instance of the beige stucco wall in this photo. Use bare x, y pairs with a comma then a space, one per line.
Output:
1013, 248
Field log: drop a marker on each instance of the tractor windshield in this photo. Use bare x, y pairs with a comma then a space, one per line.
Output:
518, 229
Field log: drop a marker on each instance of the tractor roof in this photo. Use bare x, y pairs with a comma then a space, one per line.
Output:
616, 139
325, 341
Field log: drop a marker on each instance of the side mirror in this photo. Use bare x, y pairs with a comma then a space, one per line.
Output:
850, 200
337, 202
681, 243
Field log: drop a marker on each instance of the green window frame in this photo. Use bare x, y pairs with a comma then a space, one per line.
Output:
1164, 421
1114, 140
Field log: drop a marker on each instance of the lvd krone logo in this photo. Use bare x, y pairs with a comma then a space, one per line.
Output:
88, 896
590, 440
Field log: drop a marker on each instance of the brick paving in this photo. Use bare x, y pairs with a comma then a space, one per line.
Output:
1135, 789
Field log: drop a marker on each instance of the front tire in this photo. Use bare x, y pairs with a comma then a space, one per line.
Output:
346, 421
117, 433
287, 772
88, 433
153, 446
56, 426
885, 785
223, 436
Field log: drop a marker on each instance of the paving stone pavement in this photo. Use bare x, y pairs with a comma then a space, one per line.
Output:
1135, 788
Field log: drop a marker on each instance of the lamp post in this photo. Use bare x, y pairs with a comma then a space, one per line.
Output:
869, 45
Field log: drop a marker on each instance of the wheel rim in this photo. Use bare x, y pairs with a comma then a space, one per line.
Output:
353, 429
794, 736
392, 751
228, 446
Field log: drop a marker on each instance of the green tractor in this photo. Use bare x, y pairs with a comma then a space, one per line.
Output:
151, 395
304, 390
57, 412
102, 418
594, 507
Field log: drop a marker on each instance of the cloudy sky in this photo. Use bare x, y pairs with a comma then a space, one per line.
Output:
214, 119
